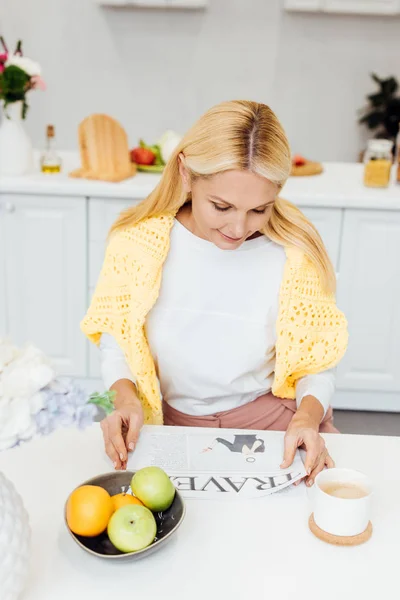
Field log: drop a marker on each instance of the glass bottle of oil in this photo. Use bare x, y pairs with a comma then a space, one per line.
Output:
50, 160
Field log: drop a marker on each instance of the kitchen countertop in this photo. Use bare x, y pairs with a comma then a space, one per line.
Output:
339, 186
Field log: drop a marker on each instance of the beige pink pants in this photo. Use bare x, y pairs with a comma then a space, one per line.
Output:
267, 412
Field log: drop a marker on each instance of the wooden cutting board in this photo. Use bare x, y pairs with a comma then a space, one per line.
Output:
310, 168
104, 150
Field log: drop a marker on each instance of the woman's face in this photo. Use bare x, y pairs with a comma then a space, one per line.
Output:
230, 207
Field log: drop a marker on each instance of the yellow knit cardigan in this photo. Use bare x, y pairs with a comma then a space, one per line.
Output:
311, 331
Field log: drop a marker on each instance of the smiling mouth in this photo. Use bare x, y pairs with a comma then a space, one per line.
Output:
228, 238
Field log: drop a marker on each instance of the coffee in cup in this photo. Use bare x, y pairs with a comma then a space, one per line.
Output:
346, 490
341, 501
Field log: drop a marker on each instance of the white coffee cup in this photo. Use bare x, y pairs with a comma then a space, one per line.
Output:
341, 516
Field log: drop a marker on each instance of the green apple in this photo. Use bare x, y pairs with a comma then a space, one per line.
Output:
132, 528
154, 488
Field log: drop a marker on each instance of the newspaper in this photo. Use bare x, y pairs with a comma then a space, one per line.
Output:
216, 463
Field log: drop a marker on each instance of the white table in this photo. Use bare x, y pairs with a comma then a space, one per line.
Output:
225, 550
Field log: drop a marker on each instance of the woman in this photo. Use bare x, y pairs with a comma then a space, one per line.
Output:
218, 296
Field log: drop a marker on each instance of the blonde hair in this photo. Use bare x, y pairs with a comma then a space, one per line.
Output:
240, 135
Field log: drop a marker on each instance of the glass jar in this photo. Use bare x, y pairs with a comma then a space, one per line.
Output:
397, 160
378, 163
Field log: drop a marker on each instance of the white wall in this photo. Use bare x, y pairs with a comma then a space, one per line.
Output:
323, 75
154, 70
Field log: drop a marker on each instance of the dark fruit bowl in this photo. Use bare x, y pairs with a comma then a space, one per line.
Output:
167, 521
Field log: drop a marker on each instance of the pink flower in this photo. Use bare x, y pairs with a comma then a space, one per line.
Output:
3, 59
37, 83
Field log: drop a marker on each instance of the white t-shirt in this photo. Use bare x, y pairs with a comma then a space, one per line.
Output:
212, 331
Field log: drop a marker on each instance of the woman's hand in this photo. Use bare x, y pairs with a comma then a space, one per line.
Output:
303, 431
121, 429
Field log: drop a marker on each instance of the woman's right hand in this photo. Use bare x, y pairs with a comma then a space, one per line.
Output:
122, 427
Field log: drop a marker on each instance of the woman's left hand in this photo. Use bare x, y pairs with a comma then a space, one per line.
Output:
303, 431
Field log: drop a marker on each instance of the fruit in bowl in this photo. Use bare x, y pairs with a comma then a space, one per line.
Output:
132, 528
154, 488
123, 499
88, 511
118, 523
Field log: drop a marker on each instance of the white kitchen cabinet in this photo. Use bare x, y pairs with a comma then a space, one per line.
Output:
328, 222
369, 295
45, 250
102, 214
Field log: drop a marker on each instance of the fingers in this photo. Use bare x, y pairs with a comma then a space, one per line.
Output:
317, 469
316, 454
115, 435
291, 443
330, 463
121, 431
312, 458
299, 481
315, 448
324, 459
109, 446
132, 435
113, 441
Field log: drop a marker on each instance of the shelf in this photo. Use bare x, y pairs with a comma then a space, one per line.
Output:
303, 5
355, 7
161, 4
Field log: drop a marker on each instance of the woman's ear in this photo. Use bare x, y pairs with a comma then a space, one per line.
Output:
184, 173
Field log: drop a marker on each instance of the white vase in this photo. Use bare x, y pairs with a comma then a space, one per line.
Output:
16, 152
15, 538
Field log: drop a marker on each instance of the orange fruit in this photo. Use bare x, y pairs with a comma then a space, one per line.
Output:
123, 499
89, 509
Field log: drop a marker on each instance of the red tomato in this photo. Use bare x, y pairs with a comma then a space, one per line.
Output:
142, 156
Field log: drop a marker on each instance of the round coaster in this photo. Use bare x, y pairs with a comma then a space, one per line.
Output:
310, 168
340, 540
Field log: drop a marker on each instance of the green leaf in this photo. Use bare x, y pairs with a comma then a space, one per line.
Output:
14, 84
389, 86
376, 99
15, 78
156, 151
373, 119
104, 401
383, 110
376, 78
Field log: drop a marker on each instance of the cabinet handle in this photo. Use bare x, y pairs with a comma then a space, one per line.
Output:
10, 207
